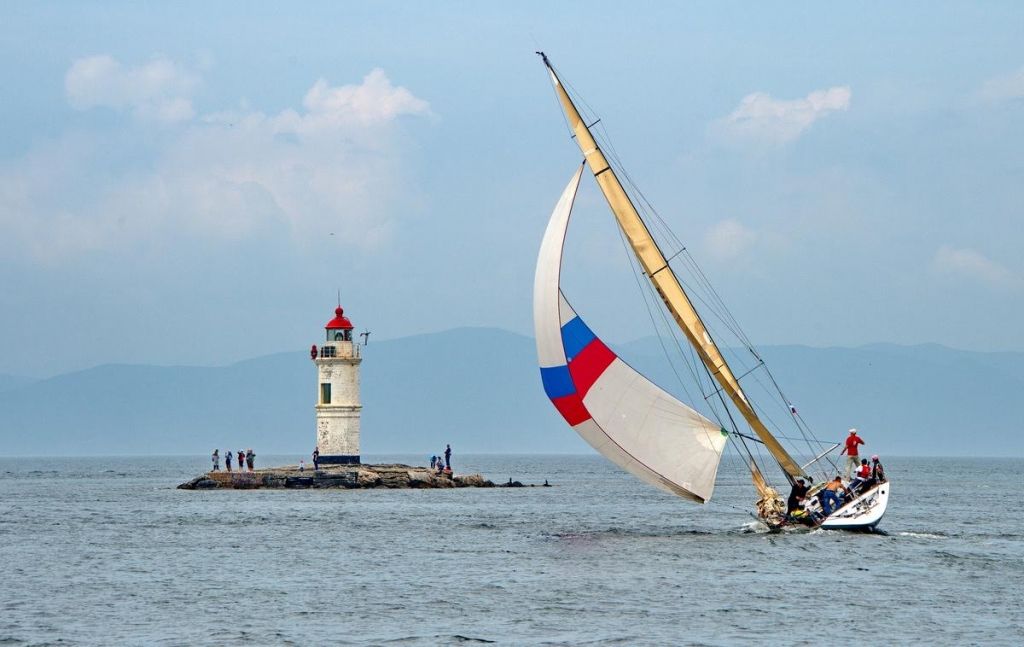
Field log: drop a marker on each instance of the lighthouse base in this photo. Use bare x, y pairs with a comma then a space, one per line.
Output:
339, 459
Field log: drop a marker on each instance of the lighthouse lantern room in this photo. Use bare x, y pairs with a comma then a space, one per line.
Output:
338, 407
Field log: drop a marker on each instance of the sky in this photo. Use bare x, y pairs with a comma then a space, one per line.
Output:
198, 182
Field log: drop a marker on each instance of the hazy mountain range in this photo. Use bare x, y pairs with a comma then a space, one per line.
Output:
479, 389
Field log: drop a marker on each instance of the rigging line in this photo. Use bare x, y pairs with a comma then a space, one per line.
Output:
713, 302
711, 289
649, 298
645, 294
582, 107
728, 411
635, 195
740, 377
734, 507
752, 458
661, 227
779, 388
782, 404
753, 438
579, 101
667, 261
558, 103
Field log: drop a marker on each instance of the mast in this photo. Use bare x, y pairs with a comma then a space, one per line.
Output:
657, 269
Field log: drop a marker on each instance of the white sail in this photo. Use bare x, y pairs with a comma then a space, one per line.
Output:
620, 413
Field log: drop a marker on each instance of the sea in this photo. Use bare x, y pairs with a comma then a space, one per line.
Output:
105, 551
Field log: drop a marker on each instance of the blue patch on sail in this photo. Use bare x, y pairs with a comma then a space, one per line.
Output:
575, 337
557, 381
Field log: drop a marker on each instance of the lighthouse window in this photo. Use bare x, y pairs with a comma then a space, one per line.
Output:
325, 393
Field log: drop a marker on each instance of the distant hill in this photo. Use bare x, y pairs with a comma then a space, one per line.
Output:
479, 390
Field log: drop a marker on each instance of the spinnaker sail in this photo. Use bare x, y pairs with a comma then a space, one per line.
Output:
619, 412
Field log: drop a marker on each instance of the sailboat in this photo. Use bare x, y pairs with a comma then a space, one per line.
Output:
639, 426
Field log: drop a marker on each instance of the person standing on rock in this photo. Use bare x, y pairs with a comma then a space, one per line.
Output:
241, 461
316, 458
216, 460
227, 460
250, 457
448, 457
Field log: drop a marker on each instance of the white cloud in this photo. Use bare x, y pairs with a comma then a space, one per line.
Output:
1006, 87
763, 119
158, 90
973, 265
729, 240
228, 176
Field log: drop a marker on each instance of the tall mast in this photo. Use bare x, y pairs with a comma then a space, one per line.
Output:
656, 268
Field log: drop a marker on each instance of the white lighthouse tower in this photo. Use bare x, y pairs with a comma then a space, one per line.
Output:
338, 407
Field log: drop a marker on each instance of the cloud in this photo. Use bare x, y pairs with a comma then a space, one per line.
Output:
159, 90
729, 239
236, 175
763, 119
1006, 87
973, 265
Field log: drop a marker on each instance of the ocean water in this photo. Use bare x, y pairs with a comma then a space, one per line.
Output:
107, 551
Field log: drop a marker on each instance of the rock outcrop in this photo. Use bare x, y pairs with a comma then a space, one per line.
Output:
336, 476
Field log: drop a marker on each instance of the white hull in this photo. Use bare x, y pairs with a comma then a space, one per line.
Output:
863, 513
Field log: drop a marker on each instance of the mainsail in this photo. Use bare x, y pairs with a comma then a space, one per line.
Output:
624, 416
657, 269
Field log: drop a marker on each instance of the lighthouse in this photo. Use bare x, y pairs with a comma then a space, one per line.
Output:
338, 407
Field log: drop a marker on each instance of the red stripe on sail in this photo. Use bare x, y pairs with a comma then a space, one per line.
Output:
572, 409
588, 365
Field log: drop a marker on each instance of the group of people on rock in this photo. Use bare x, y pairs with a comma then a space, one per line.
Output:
807, 504
442, 462
245, 459
316, 461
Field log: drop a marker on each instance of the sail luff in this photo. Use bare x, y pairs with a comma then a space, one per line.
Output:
656, 267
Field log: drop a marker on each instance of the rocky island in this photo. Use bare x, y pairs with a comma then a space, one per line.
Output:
338, 476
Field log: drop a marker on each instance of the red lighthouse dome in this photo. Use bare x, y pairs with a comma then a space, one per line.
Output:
340, 321
339, 328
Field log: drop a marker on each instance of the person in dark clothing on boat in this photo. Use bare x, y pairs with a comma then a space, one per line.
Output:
805, 514
877, 471
796, 495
